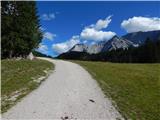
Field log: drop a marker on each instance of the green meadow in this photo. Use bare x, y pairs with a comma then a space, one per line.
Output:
133, 88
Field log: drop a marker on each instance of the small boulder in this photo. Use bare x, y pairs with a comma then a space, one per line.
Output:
30, 56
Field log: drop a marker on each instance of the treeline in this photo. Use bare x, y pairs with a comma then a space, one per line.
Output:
72, 55
147, 53
20, 28
38, 54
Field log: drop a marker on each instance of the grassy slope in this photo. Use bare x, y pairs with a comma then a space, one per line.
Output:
135, 88
17, 79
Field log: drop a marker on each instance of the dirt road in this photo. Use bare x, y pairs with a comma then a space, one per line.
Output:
68, 93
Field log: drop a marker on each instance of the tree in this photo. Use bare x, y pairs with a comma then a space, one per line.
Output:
7, 22
20, 28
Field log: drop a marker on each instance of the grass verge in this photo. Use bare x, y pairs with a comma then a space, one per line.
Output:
134, 88
19, 77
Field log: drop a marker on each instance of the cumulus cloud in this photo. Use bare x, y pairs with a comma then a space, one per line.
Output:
49, 36
102, 23
144, 24
92, 34
95, 32
65, 46
48, 17
43, 48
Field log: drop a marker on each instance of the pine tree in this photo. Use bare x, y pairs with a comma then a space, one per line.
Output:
8, 11
20, 24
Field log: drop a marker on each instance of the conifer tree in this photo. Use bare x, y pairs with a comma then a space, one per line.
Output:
20, 28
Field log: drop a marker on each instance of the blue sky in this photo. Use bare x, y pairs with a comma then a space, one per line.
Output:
65, 23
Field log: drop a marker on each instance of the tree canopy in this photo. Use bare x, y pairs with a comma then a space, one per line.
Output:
20, 27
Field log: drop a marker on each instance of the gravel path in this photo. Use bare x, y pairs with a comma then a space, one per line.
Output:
68, 93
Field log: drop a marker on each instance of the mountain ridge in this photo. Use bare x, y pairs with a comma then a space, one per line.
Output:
135, 39
140, 37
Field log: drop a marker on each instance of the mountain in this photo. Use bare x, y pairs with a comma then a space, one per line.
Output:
91, 49
117, 43
140, 37
85, 52
103, 46
79, 48
96, 48
131, 39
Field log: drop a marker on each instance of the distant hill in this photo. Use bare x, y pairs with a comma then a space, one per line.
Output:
38, 54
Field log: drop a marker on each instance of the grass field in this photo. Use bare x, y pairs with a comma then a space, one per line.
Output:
134, 88
19, 77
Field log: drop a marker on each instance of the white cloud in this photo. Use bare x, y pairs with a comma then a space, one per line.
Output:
94, 31
92, 34
49, 36
43, 48
102, 23
136, 24
65, 46
48, 17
